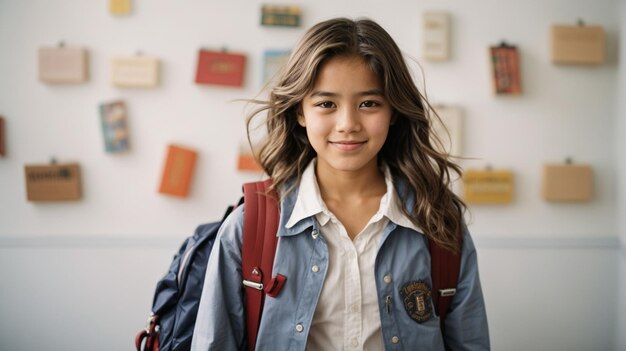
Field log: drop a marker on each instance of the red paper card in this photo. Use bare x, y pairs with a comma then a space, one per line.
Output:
220, 68
506, 70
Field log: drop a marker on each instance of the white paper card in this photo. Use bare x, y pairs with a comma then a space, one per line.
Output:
436, 36
135, 72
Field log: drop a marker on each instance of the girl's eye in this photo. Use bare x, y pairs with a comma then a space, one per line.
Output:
326, 104
369, 103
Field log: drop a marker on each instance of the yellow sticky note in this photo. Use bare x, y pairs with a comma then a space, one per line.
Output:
488, 187
119, 7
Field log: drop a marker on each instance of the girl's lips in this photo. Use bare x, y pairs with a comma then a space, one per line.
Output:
347, 145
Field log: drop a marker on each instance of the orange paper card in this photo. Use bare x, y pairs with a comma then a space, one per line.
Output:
53, 182
178, 171
220, 68
247, 161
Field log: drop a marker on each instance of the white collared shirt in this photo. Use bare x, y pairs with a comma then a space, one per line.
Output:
347, 314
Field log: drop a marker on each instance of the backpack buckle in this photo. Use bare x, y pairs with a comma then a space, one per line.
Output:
447, 292
254, 285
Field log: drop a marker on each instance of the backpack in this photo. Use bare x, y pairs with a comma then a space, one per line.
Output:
177, 295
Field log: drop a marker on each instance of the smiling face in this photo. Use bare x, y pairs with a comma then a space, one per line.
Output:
346, 117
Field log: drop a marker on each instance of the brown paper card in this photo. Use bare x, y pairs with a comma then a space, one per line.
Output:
63, 65
488, 187
53, 182
565, 183
578, 44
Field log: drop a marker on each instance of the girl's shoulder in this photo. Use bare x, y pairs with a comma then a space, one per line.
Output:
231, 229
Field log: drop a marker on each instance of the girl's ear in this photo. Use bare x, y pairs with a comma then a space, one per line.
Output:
394, 118
301, 120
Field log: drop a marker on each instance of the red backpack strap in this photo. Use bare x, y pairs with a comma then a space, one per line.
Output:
260, 225
445, 267
148, 339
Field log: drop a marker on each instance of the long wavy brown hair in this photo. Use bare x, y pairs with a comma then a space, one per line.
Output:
411, 150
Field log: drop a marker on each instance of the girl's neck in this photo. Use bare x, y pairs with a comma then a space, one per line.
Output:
342, 186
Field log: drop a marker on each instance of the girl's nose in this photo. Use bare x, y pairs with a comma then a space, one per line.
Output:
347, 121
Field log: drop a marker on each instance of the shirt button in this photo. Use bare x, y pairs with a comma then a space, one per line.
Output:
314, 233
315, 268
299, 328
395, 339
387, 279
354, 342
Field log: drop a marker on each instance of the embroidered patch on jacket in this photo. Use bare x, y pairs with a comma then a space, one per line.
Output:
417, 300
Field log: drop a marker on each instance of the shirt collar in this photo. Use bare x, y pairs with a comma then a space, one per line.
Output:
309, 202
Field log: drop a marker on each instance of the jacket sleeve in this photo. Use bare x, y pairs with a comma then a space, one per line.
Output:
220, 324
466, 323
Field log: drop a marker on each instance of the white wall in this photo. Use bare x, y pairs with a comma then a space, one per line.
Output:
621, 163
92, 265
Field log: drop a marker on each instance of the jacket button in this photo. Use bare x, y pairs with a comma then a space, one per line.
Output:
395, 339
315, 268
299, 328
387, 279
315, 233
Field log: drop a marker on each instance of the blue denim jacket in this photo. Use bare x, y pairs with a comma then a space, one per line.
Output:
402, 258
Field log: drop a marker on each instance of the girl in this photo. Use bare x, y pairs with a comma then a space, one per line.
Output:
362, 192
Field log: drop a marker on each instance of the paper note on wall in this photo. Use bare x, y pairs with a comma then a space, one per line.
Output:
436, 37
280, 15
567, 183
54, 182
178, 171
505, 64
120, 7
62, 65
578, 44
488, 186
114, 124
135, 72
448, 129
220, 68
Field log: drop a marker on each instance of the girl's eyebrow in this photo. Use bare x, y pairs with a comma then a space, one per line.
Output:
370, 92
